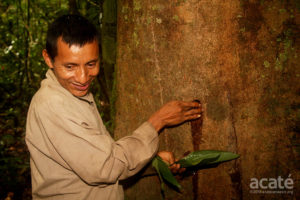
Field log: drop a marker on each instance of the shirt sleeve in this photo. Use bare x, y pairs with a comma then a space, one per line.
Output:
87, 151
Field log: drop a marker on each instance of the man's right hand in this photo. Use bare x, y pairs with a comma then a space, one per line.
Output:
174, 113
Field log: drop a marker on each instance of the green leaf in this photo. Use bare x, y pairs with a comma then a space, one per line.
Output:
164, 173
225, 156
206, 157
197, 157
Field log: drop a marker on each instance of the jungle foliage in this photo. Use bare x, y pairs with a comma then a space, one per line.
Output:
23, 26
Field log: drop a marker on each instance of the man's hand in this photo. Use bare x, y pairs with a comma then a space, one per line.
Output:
174, 113
169, 158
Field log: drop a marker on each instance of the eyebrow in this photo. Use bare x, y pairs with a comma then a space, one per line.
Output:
70, 63
94, 60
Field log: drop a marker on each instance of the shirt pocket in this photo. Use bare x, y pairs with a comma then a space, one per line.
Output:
88, 127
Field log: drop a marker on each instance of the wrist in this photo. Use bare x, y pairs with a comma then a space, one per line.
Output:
156, 123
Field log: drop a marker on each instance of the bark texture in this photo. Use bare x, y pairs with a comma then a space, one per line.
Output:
241, 60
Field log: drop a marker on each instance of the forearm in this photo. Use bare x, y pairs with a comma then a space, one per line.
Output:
156, 122
136, 150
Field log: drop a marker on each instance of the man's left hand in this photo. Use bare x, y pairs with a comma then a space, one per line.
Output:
168, 157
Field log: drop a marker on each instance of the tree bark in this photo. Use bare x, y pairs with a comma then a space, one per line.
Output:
240, 59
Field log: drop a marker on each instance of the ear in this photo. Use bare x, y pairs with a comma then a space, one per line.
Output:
47, 59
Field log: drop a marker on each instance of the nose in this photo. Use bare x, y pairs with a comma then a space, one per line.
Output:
81, 75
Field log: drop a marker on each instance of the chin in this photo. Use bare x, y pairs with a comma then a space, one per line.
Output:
79, 94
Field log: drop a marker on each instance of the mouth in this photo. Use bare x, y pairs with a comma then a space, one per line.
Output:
81, 87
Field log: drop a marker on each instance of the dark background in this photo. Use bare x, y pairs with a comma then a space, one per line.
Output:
23, 26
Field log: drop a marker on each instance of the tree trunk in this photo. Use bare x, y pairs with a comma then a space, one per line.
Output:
241, 60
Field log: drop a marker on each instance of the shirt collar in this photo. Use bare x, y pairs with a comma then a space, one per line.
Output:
51, 76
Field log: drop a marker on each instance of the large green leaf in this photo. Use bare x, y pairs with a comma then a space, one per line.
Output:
164, 173
206, 157
196, 158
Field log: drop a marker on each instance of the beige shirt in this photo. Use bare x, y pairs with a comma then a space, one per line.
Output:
72, 156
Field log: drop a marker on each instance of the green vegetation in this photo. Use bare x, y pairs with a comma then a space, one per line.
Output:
195, 161
23, 26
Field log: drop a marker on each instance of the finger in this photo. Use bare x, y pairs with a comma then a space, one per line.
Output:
181, 170
193, 111
165, 156
190, 105
174, 171
171, 158
175, 168
192, 117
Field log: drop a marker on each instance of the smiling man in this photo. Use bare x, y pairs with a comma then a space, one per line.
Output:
75, 67
72, 156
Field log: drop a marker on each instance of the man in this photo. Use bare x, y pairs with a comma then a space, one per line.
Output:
72, 156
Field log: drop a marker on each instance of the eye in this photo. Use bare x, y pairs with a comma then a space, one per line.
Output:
69, 67
92, 64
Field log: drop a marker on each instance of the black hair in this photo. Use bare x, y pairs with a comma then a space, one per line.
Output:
74, 29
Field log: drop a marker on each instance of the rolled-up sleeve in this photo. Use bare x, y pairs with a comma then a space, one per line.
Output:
69, 140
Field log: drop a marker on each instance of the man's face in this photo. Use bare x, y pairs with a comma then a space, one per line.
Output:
75, 67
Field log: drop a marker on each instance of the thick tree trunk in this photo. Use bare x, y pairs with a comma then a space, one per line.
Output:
241, 60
